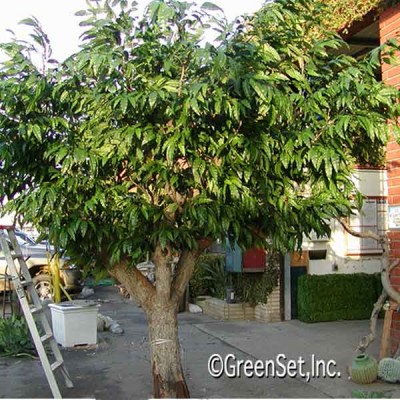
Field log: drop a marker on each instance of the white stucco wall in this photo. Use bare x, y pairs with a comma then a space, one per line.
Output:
370, 183
7, 219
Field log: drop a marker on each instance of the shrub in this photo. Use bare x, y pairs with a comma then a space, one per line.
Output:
15, 339
254, 288
209, 277
337, 296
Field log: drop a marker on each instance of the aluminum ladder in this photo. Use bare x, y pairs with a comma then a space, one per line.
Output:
51, 360
8, 295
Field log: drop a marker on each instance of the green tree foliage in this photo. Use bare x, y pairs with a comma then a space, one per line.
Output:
341, 14
146, 134
150, 140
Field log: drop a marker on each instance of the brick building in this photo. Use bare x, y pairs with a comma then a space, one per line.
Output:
378, 26
389, 27
342, 253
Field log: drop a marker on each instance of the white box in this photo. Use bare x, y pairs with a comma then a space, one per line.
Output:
74, 322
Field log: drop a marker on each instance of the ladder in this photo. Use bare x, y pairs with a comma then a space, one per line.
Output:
8, 298
23, 285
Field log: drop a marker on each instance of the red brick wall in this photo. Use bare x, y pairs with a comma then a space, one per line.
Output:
389, 27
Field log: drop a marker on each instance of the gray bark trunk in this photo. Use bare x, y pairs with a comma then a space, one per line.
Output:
168, 378
160, 302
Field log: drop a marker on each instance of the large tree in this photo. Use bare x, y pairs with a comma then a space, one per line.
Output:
150, 140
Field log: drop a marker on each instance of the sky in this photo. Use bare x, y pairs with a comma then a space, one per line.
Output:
62, 26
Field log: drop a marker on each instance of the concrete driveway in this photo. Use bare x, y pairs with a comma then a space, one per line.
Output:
119, 368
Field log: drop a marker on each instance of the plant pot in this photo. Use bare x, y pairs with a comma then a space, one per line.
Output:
364, 369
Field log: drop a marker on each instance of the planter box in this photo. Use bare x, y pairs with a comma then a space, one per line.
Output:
220, 309
270, 312
74, 322
264, 313
201, 301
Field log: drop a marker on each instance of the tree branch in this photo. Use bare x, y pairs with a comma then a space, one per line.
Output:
386, 268
181, 81
123, 176
385, 278
183, 273
368, 339
388, 289
162, 264
138, 286
185, 268
363, 235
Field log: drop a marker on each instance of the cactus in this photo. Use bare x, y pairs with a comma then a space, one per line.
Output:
389, 370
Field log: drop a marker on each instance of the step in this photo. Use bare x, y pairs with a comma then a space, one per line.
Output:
35, 310
19, 256
27, 283
56, 364
46, 337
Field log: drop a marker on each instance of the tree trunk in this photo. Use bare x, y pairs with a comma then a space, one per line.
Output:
160, 302
168, 378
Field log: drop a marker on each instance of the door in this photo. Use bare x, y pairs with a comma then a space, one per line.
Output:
295, 273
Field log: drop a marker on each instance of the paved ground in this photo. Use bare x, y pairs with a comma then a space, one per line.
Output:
119, 367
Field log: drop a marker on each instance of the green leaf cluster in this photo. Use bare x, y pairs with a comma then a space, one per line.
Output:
340, 14
209, 277
15, 339
151, 135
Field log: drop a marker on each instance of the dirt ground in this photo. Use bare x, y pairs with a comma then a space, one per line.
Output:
119, 368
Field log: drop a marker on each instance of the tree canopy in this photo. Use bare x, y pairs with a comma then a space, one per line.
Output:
150, 135
152, 140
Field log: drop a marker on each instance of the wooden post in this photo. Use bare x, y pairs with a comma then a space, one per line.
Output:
385, 343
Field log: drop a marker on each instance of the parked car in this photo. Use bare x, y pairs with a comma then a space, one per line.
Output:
37, 263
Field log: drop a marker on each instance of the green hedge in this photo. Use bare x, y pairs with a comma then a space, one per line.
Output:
337, 296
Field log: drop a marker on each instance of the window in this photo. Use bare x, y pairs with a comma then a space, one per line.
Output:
370, 218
